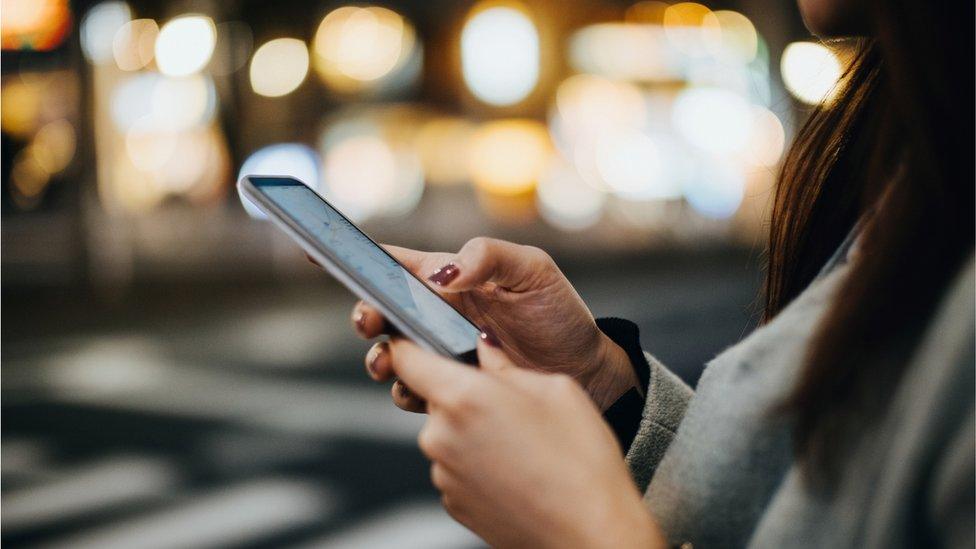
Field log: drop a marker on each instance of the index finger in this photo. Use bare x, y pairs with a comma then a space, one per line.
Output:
428, 374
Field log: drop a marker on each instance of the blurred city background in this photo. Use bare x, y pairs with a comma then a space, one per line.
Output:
175, 374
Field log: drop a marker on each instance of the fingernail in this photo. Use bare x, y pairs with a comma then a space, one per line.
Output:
444, 275
405, 391
371, 365
488, 336
359, 319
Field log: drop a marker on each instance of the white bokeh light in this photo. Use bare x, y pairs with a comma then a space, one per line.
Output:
98, 29
565, 200
185, 45
630, 164
279, 67
365, 177
716, 120
169, 103
717, 190
500, 55
810, 71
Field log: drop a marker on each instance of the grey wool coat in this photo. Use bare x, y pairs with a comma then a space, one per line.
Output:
717, 468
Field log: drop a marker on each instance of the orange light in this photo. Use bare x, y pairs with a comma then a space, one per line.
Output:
40, 25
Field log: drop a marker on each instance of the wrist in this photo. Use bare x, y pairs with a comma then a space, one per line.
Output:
618, 522
612, 374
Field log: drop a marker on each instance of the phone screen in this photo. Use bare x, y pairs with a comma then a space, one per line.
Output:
372, 266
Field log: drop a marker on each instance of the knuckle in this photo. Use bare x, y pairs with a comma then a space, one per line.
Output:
538, 255
437, 476
477, 247
429, 442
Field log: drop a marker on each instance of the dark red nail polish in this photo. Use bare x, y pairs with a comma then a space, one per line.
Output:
489, 337
360, 321
444, 275
371, 366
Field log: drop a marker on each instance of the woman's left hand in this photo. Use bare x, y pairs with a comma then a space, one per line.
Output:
523, 458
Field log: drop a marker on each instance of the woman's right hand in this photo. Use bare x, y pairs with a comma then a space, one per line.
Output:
517, 294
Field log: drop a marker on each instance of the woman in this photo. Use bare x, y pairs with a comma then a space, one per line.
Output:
845, 419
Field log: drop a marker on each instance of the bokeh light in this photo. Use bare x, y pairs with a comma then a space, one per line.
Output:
54, 145
500, 54
185, 45
713, 119
443, 144
165, 102
565, 200
717, 190
623, 51
729, 35
366, 177
767, 140
134, 44
98, 29
648, 12
587, 105
21, 107
810, 71
358, 47
279, 67
35, 24
508, 156
28, 180
149, 147
630, 164
683, 25
290, 159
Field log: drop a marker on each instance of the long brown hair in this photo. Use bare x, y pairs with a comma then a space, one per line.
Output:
894, 153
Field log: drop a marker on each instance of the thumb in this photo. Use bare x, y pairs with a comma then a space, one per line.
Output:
418, 262
509, 265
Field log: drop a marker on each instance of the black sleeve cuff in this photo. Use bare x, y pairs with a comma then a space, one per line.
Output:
625, 414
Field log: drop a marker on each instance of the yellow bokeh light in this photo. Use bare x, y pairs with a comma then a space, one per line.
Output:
185, 45
279, 67
21, 108
730, 35
27, 176
355, 47
508, 156
53, 146
685, 14
148, 146
648, 12
810, 71
587, 105
134, 44
443, 145
683, 25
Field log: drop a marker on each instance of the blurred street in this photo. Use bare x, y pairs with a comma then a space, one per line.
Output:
176, 375
194, 416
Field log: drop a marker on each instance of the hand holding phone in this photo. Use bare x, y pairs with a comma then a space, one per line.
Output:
363, 266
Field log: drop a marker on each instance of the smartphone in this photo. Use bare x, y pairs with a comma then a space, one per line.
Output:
363, 266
